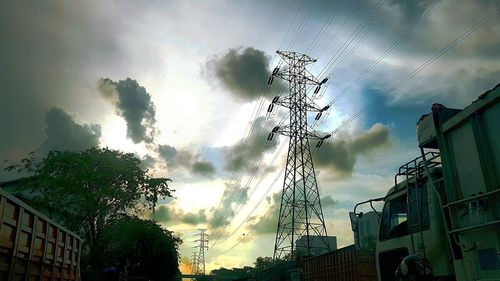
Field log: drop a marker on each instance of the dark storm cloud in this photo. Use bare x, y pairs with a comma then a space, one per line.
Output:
63, 133
223, 213
134, 104
469, 68
245, 154
244, 72
195, 218
48, 48
186, 159
339, 156
164, 214
161, 214
167, 152
203, 168
147, 161
328, 202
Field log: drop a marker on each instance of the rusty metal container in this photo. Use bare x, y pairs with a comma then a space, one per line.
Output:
33, 247
345, 264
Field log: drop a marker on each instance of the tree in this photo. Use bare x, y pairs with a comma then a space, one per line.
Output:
262, 263
150, 251
87, 190
224, 274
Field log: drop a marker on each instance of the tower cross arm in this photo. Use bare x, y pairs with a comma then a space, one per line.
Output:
290, 56
311, 134
305, 78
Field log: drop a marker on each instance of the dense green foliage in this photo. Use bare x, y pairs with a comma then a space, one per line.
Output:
262, 263
246, 272
224, 274
149, 250
86, 189
94, 193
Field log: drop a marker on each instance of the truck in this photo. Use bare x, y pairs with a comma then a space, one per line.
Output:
445, 204
34, 247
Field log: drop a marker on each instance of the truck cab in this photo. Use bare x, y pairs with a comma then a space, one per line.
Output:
445, 204
411, 221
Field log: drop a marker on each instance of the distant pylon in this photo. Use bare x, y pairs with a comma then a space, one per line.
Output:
202, 246
300, 214
194, 263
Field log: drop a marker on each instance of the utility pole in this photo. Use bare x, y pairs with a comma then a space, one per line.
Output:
300, 214
202, 246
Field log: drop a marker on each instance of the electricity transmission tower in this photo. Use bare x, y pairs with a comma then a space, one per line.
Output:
301, 216
202, 246
194, 263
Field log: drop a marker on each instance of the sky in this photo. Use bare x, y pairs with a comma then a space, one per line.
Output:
183, 85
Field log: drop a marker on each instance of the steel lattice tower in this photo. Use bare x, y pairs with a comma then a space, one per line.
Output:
300, 214
202, 246
194, 263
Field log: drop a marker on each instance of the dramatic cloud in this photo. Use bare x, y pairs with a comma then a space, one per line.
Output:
195, 218
177, 158
454, 89
164, 214
328, 202
134, 104
246, 154
223, 213
161, 214
203, 168
457, 76
49, 53
147, 161
339, 156
186, 159
63, 133
167, 152
242, 71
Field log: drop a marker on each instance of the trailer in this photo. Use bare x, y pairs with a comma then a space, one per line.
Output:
344, 264
33, 247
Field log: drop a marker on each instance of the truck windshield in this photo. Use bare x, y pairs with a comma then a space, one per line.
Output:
394, 218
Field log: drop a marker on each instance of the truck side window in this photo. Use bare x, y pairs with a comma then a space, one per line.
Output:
394, 218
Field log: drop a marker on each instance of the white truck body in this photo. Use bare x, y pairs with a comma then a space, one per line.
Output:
445, 204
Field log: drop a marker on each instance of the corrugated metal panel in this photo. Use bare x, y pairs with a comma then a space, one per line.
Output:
344, 264
34, 248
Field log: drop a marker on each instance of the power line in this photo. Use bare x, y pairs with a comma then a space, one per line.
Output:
365, 35
387, 51
366, 18
302, 24
433, 58
260, 200
329, 19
